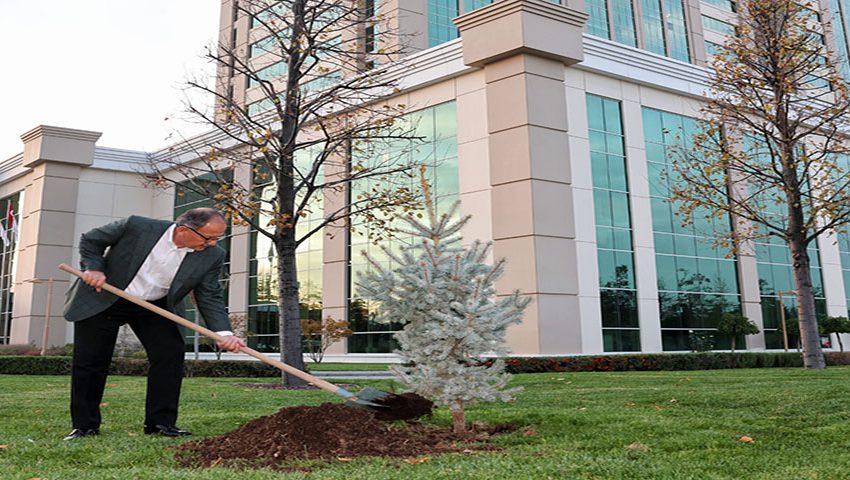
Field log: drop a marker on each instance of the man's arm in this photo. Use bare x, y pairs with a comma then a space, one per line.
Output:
93, 245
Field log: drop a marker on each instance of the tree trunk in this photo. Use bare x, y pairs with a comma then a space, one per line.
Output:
289, 314
458, 417
840, 345
809, 334
733, 344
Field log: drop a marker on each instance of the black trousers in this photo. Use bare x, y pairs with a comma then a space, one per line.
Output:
94, 342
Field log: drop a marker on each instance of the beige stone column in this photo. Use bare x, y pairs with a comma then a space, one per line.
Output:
407, 25
523, 46
240, 254
335, 255
56, 157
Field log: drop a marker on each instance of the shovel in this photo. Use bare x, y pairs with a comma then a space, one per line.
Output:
369, 398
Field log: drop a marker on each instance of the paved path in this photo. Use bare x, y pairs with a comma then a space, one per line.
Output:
353, 375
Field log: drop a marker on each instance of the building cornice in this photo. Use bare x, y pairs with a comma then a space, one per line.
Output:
60, 132
117, 159
13, 168
507, 8
614, 59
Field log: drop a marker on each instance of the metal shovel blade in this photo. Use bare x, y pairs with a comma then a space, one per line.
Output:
368, 397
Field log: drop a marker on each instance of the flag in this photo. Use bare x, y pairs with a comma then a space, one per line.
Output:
3, 236
11, 225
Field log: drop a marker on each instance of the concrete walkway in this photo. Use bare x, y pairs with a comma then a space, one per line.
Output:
354, 375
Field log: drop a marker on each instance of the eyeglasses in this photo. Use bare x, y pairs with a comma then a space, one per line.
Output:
206, 238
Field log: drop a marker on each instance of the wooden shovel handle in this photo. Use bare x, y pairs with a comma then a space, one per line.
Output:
327, 386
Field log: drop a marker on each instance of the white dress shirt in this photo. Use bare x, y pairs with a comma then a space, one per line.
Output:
154, 278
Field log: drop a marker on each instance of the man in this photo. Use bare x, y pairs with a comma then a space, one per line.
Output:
158, 261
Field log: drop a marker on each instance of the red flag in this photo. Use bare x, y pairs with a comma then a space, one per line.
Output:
11, 224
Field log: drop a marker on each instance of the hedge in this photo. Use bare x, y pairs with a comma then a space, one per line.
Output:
30, 365
33, 365
669, 361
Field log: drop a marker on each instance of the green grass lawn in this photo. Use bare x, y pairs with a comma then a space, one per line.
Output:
647, 425
347, 367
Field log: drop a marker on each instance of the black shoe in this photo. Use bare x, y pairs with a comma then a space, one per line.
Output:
166, 430
81, 432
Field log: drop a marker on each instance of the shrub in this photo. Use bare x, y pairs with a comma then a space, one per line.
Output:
655, 362
19, 349
37, 365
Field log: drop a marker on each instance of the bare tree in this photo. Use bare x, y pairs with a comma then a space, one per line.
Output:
776, 120
323, 122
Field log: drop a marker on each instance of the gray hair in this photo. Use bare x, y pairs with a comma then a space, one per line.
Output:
198, 217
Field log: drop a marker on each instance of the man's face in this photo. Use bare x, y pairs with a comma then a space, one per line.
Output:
200, 238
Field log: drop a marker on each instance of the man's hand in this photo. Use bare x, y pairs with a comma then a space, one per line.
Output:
231, 343
95, 279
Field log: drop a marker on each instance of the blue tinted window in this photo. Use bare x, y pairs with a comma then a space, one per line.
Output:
620, 326
440, 26
696, 283
438, 151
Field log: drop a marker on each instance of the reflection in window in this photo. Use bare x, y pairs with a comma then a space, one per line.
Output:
263, 321
773, 258
613, 19
664, 28
441, 29
718, 26
620, 327
186, 199
8, 262
840, 25
437, 126
844, 241
696, 282
440, 26
728, 5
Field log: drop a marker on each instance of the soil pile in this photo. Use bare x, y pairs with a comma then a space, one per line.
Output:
328, 431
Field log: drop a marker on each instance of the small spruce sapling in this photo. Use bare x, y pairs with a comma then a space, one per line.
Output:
444, 294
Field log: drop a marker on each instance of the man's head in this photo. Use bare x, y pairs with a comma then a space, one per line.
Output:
199, 228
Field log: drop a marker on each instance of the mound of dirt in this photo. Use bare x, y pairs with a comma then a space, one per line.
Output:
328, 431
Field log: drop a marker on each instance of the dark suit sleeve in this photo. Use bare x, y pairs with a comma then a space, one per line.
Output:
93, 244
210, 300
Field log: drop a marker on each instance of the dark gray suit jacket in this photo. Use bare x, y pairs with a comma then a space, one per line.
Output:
119, 249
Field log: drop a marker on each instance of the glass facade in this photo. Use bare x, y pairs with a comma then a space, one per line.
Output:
664, 24
775, 275
697, 283
272, 71
440, 26
728, 5
186, 199
597, 20
718, 26
437, 126
773, 257
8, 260
844, 242
440, 15
263, 320
618, 294
840, 26
844, 251
665, 30
612, 19
623, 16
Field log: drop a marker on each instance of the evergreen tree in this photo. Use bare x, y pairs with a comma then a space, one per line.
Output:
445, 295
